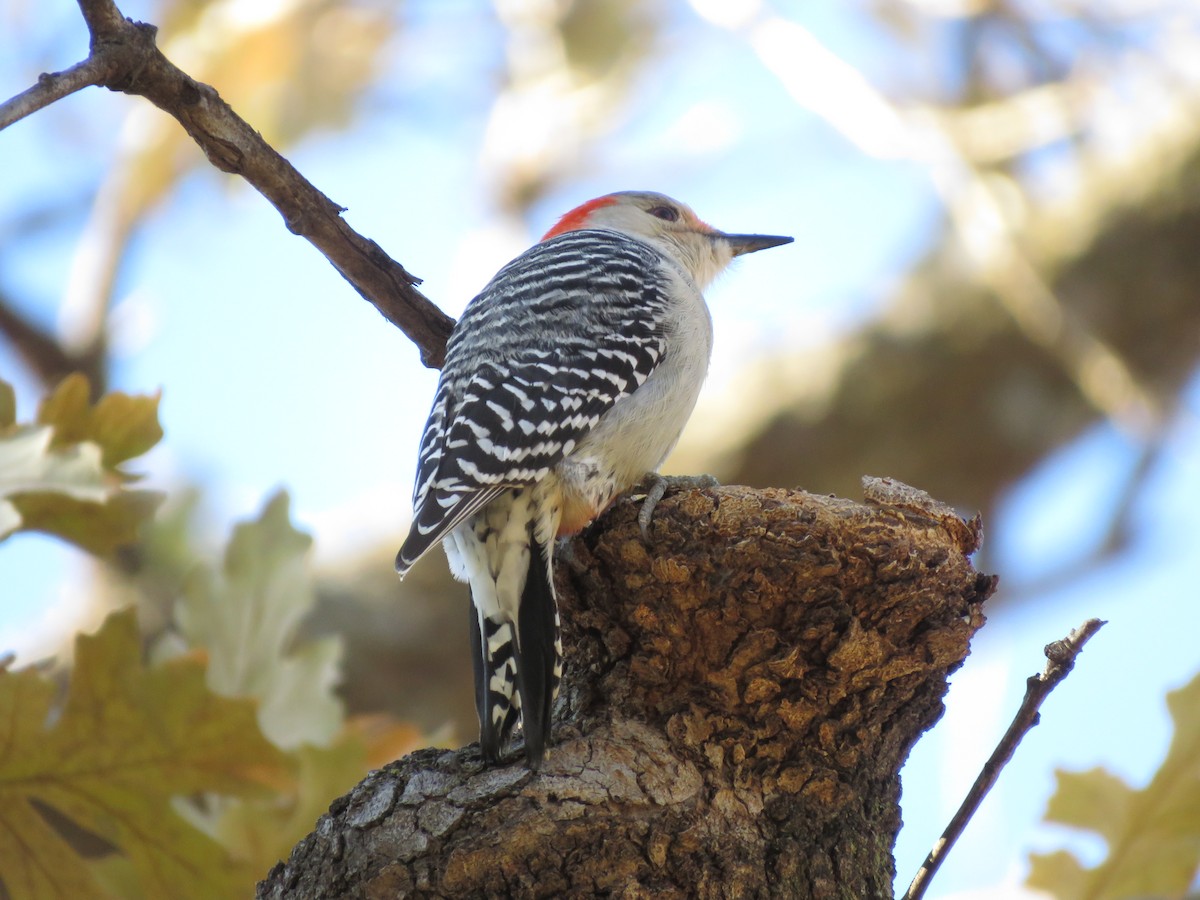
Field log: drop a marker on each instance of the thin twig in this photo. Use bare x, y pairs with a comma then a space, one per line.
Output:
1060, 659
124, 53
53, 86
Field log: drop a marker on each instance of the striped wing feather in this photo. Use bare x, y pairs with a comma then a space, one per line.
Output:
561, 334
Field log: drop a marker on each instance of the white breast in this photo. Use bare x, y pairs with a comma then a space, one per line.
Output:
635, 436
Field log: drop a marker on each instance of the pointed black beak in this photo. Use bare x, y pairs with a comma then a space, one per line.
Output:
749, 243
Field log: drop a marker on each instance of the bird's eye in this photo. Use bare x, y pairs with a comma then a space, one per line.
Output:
666, 213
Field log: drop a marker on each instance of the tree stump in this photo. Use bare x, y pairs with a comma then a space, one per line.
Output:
738, 698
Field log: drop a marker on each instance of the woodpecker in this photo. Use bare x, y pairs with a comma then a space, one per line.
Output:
567, 380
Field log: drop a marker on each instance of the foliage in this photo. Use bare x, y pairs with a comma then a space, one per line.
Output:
247, 616
1153, 834
196, 772
62, 474
188, 776
1018, 92
126, 740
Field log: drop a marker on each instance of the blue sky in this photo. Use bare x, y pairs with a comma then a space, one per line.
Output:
275, 373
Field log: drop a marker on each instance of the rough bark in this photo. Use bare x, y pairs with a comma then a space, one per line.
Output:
739, 697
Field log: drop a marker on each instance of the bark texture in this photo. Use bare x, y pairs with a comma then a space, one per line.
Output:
739, 697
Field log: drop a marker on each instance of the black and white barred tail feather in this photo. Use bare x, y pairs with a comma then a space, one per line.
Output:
539, 653
518, 666
497, 705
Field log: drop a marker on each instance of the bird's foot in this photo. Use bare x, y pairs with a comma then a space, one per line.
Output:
656, 487
564, 551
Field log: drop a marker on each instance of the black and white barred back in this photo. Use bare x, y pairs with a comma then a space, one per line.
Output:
554, 341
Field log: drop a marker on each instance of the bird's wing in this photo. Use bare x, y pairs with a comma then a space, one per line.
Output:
552, 343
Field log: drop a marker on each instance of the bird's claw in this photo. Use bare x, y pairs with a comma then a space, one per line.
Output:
564, 551
656, 488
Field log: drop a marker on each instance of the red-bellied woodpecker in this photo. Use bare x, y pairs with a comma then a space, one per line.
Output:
567, 380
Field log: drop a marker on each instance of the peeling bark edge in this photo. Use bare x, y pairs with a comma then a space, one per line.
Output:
739, 697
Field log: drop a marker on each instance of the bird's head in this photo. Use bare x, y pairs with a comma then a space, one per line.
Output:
668, 224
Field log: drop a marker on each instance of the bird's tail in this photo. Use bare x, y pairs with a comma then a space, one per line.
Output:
518, 664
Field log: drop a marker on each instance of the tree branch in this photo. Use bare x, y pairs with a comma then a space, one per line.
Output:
125, 58
1060, 660
53, 86
739, 695
44, 355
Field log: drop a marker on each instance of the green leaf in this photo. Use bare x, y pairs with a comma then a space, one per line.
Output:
1153, 834
8, 405
60, 476
247, 617
67, 410
117, 877
1058, 872
29, 465
35, 861
1096, 800
126, 426
122, 426
99, 528
126, 741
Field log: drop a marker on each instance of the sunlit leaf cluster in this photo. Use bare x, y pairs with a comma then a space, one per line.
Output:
62, 473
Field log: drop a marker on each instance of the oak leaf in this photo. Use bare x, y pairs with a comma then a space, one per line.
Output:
111, 760
246, 616
62, 474
1153, 834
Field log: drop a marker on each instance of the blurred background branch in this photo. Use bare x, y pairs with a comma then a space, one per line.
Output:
125, 54
993, 295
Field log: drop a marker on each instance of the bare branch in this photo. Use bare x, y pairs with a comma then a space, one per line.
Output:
44, 355
53, 86
1060, 660
125, 58
102, 17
